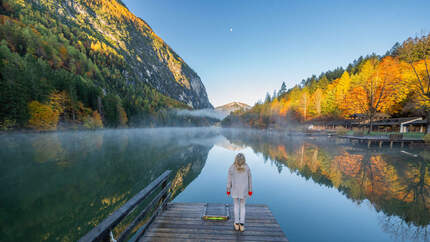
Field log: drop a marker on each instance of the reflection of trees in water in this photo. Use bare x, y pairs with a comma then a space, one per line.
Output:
47, 200
398, 186
402, 231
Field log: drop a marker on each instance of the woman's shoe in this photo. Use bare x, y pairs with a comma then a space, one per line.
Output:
236, 226
242, 227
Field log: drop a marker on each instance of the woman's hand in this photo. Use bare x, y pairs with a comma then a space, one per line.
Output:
228, 193
250, 193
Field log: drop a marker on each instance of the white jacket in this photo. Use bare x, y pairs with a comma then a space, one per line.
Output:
239, 183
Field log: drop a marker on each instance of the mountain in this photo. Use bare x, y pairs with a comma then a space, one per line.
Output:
233, 106
98, 52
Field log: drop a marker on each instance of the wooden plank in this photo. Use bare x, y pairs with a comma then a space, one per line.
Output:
187, 204
199, 219
242, 235
219, 237
183, 208
170, 213
200, 236
215, 223
158, 239
248, 219
179, 204
213, 227
230, 231
197, 216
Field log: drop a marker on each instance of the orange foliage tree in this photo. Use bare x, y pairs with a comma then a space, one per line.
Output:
374, 89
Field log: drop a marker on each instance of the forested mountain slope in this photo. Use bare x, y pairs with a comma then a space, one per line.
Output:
394, 85
85, 56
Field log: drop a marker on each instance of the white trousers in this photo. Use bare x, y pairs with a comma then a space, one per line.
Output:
239, 210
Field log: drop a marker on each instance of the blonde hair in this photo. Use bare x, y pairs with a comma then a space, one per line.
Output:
239, 162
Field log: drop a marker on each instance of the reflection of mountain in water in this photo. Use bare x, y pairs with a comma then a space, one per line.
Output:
226, 144
60, 185
396, 184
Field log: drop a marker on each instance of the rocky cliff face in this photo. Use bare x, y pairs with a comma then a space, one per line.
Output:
119, 32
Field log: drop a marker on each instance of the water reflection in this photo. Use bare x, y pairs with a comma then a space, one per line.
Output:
395, 183
57, 186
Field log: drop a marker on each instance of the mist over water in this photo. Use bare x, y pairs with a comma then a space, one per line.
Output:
203, 113
57, 186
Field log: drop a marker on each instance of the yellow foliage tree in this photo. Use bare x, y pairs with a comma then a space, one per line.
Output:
122, 116
343, 85
42, 116
94, 121
305, 100
316, 99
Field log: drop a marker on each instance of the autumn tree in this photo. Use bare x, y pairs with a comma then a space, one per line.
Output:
304, 107
374, 88
317, 97
42, 116
94, 121
328, 105
122, 116
416, 52
343, 85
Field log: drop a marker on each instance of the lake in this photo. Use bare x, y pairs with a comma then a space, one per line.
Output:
57, 186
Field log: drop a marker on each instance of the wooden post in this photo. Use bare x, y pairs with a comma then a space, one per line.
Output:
391, 144
368, 143
380, 144
402, 144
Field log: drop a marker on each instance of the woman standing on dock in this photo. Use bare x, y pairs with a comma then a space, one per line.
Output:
239, 184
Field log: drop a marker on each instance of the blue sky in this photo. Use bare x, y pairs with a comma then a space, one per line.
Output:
273, 40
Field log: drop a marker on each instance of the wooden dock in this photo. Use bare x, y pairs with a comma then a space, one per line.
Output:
381, 140
183, 222
159, 220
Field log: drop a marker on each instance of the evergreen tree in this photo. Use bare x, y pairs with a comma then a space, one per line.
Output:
282, 90
268, 99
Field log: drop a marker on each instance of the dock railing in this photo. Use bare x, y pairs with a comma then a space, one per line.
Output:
103, 231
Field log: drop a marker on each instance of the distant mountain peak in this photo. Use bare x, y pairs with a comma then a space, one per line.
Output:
233, 106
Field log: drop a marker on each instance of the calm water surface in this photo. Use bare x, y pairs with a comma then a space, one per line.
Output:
57, 186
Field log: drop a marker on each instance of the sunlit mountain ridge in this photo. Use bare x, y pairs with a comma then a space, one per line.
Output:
98, 55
